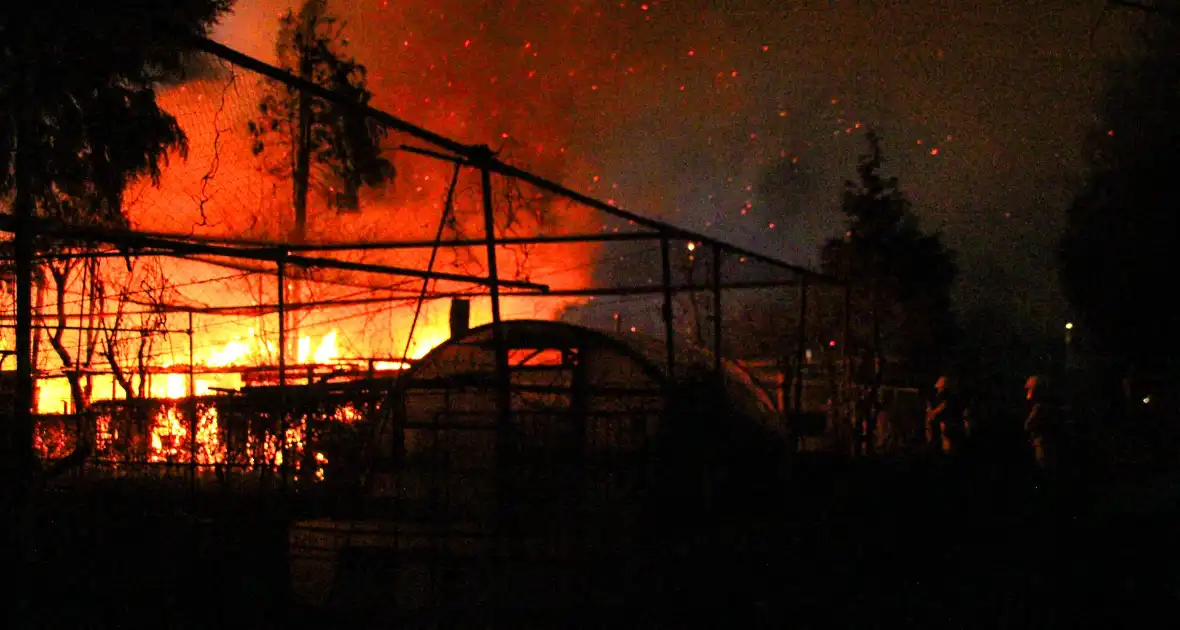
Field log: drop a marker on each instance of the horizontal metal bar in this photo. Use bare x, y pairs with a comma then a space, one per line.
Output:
83, 255
137, 241
100, 328
626, 291
506, 241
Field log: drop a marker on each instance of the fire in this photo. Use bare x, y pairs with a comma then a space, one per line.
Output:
171, 440
222, 190
235, 351
325, 353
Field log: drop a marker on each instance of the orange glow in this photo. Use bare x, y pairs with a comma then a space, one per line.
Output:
222, 190
170, 441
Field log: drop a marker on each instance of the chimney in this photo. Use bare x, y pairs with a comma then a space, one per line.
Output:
460, 317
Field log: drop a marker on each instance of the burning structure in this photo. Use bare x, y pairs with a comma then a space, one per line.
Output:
148, 340
231, 335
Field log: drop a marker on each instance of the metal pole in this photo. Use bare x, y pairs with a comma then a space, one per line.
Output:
717, 309
846, 348
800, 351
503, 380
666, 280
192, 409
282, 276
18, 438
501, 347
20, 435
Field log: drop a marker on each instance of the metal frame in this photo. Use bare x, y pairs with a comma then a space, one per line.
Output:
285, 255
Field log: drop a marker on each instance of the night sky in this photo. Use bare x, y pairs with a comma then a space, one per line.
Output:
731, 117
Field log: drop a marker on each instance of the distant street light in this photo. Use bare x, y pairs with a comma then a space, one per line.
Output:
1068, 342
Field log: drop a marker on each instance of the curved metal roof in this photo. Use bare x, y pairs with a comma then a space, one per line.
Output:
647, 353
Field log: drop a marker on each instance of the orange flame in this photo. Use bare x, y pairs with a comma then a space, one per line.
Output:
222, 190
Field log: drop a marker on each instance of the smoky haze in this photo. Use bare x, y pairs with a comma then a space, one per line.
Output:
683, 110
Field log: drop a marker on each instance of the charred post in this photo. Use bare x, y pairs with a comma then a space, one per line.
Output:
460, 317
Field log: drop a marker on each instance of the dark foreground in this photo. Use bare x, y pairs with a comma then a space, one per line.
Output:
850, 544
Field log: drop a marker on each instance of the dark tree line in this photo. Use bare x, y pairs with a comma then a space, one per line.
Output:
1122, 229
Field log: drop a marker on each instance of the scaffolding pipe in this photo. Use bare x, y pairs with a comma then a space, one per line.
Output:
261, 309
503, 380
717, 309
669, 324
136, 240
557, 239
501, 347
282, 273
19, 436
192, 409
800, 351
162, 331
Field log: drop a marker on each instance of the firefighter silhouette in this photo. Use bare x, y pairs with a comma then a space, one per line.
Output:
945, 423
1041, 424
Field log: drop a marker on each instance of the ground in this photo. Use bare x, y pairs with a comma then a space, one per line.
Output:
853, 543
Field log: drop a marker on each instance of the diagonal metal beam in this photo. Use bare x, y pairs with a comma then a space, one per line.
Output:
478, 156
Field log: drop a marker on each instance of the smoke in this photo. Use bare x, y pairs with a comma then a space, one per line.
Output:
636, 104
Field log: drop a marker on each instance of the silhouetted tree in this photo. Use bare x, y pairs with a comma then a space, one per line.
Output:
320, 145
79, 122
84, 78
900, 277
1122, 227
86, 74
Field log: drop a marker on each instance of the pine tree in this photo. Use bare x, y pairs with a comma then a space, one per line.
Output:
324, 147
900, 277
